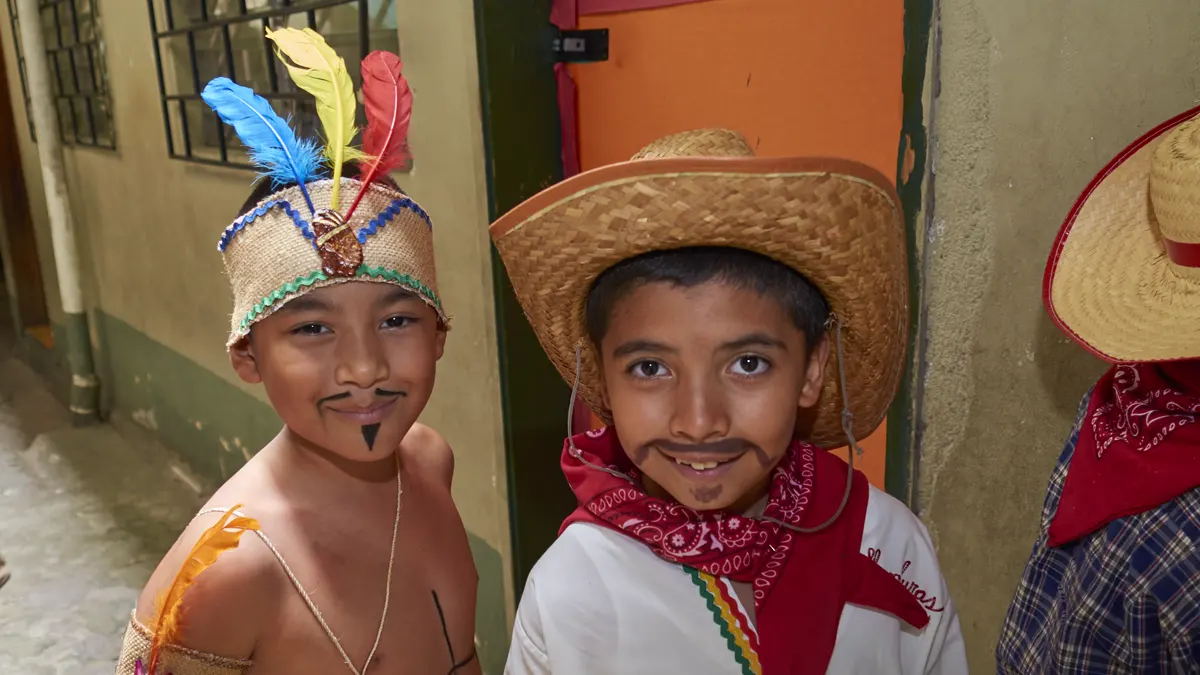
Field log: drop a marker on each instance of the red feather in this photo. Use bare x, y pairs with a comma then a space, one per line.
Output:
387, 100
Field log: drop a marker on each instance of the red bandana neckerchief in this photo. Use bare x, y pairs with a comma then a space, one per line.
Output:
1138, 447
814, 574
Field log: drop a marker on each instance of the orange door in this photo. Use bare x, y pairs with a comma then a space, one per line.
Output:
819, 77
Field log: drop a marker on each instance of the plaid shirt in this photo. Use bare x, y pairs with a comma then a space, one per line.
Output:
1125, 599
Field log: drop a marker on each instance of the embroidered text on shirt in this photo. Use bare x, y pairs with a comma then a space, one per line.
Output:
929, 602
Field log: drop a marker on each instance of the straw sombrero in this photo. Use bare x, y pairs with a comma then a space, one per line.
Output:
835, 221
1123, 277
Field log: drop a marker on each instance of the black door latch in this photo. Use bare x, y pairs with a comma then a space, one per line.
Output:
581, 46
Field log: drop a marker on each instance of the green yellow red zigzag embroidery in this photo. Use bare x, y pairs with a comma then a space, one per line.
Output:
289, 288
728, 619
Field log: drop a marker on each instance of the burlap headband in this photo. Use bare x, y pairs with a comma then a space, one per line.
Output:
323, 231
272, 253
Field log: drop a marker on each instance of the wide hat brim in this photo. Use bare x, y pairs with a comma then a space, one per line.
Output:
1109, 284
837, 222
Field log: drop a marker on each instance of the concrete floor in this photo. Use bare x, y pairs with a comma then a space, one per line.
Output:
85, 514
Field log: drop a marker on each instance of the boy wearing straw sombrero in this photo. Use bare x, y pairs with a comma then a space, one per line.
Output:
1113, 585
729, 316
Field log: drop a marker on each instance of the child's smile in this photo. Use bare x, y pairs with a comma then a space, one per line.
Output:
347, 366
711, 461
372, 410
704, 385
702, 469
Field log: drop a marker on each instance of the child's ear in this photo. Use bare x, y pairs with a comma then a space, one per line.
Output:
440, 347
814, 373
441, 328
241, 357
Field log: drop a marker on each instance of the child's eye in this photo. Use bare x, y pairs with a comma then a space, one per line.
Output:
750, 365
397, 321
648, 370
310, 329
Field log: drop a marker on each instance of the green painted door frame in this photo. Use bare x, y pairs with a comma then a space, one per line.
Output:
522, 144
903, 421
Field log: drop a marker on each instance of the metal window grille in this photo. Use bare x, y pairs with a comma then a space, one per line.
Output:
197, 40
78, 77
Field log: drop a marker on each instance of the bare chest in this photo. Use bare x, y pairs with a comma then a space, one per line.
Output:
429, 628
429, 624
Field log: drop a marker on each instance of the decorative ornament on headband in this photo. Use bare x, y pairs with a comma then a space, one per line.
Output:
384, 235
317, 69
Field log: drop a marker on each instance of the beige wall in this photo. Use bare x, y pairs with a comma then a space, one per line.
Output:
448, 177
1035, 98
149, 225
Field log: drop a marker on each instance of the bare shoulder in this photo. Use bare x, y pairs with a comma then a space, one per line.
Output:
426, 452
230, 602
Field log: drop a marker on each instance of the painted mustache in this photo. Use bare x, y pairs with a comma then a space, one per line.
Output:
369, 431
727, 446
383, 393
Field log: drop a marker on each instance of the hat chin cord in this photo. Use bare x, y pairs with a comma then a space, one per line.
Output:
847, 428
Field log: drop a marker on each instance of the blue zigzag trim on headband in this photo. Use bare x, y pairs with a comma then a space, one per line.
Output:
387, 215
241, 223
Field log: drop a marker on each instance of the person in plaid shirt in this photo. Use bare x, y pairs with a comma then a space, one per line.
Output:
1113, 584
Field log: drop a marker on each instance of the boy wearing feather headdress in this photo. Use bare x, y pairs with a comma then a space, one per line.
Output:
358, 560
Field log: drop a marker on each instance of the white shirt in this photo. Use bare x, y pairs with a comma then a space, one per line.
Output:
599, 603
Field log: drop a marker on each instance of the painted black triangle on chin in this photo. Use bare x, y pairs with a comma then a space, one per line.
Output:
370, 431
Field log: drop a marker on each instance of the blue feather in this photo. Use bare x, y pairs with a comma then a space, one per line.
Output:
270, 142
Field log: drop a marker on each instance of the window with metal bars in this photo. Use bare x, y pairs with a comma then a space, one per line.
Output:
78, 76
197, 40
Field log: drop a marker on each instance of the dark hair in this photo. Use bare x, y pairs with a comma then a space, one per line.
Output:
265, 187
690, 267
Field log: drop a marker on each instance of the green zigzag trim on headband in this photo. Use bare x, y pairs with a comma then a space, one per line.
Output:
318, 276
402, 279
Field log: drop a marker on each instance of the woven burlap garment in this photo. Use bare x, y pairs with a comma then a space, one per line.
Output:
269, 261
174, 660
837, 222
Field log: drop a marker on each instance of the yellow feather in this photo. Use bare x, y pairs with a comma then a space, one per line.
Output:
317, 69
221, 537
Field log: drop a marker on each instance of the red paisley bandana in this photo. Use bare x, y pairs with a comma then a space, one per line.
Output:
721, 544
810, 576
1138, 447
